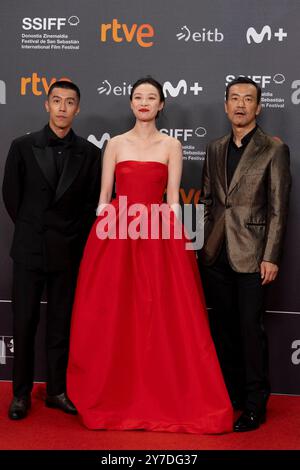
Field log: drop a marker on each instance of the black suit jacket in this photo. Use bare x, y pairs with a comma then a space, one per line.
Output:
51, 220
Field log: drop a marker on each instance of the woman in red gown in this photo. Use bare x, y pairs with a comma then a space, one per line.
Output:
141, 353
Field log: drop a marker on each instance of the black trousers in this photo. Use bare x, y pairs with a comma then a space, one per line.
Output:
236, 320
28, 286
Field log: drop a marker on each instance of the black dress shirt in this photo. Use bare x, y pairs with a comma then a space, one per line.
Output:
60, 148
234, 154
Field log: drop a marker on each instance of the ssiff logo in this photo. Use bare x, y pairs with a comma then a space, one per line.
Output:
262, 80
266, 33
120, 32
185, 134
2, 92
48, 23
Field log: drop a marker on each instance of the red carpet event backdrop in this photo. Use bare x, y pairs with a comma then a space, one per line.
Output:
194, 48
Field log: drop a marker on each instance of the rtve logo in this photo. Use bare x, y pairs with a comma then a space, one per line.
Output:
48, 23
122, 32
266, 32
190, 197
37, 85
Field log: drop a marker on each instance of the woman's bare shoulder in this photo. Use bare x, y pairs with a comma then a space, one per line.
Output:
171, 142
119, 139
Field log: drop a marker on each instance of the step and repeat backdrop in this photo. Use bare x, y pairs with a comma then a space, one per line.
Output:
194, 48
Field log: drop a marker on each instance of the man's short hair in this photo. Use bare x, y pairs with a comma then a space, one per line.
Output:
246, 80
67, 85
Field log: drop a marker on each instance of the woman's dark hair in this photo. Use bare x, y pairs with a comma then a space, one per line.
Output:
152, 82
66, 85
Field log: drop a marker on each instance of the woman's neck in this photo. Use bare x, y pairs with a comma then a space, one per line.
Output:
144, 130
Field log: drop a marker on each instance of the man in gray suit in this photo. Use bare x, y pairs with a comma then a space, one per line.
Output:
245, 189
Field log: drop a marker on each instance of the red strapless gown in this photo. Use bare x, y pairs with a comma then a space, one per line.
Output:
141, 354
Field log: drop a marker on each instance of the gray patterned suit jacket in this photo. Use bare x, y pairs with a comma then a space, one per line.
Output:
252, 212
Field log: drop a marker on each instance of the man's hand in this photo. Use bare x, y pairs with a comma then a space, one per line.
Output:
268, 272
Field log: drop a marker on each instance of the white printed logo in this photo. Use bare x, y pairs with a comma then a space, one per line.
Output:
107, 89
185, 34
185, 134
2, 92
200, 132
295, 358
296, 94
262, 80
48, 23
279, 79
73, 20
205, 35
266, 33
6, 348
99, 143
182, 87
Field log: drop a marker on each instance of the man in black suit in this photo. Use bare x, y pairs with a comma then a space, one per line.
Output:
50, 190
